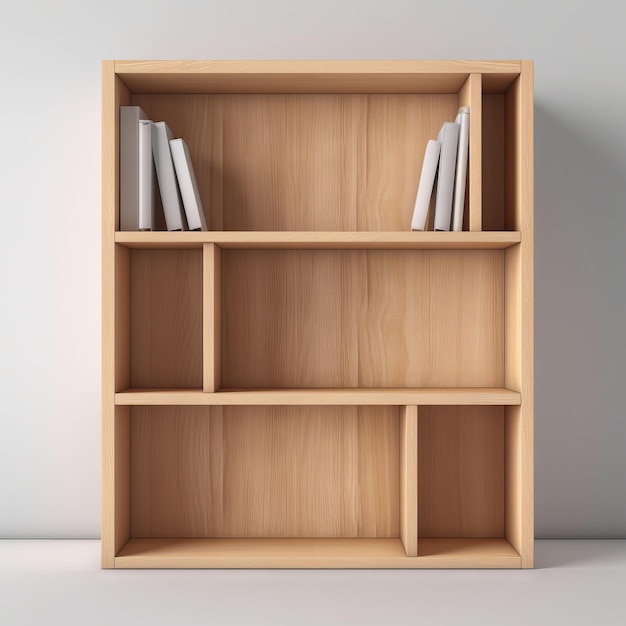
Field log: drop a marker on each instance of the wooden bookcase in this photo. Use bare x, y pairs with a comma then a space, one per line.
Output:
310, 384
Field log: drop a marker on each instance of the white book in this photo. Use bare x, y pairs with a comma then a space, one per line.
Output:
170, 197
188, 185
463, 120
137, 179
425, 188
449, 138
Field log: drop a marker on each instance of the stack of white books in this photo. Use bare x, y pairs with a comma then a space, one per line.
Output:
149, 153
445, 161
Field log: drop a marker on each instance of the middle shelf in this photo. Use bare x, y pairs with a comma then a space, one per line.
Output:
242, 319
321, 240
443, 396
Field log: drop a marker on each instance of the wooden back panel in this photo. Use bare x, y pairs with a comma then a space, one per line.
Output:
461, 472
305, 161
265, 471
166, 318
326, 318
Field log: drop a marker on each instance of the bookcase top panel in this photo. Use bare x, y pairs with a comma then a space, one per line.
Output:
312, 76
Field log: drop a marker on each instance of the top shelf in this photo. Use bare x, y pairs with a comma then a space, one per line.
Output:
312, 76
322, 240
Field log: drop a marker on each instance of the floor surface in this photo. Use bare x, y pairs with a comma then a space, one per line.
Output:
60, 582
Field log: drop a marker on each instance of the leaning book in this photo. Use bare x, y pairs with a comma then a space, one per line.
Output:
194, 211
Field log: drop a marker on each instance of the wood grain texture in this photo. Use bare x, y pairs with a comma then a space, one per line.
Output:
320, 240
493, 162
166, 318
513, 483
466, 318
461, 472
122, 317
513, 318
114, 94
526, 199
212, 316
265, 472
445, 396
362, 319
308, 76
315, 553
336, 323
305, 162
408, 479
122, 476
471, 96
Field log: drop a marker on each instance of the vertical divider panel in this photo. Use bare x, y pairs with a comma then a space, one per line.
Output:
408, 479
212, 317
471, 96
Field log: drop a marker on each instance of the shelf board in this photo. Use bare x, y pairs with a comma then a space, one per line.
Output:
372, 396
315, 553
321, 240
309, 76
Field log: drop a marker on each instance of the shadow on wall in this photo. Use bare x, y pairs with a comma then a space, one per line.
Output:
580, 331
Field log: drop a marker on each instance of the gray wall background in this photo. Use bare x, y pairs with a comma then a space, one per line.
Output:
50, 221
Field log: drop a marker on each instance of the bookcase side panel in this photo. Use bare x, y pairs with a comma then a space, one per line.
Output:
114, 94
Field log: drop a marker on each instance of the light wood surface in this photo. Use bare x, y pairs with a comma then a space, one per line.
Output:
526, 194
461, 472
114, 94
471, 96
265, 471
122, 318
356, 318
308, 76
408, 479
305, 162
261, 381
344, 397
315, 553
122, 476
466, 339
212, 311
166, 318
321, 240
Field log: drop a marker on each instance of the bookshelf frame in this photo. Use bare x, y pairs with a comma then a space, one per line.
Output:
309, 384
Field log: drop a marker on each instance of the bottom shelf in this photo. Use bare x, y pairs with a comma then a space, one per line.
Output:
316, 553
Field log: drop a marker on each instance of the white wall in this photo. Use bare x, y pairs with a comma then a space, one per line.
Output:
50, 221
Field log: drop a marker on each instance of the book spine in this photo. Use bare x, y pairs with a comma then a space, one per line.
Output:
425, 188
449, 137
188, 185
461, 169
170, 196
146, 177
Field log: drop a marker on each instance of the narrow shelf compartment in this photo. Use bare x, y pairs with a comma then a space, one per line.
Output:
315, 553
359, 397
161, 318
320, 240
